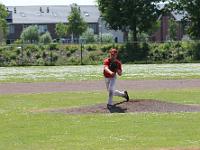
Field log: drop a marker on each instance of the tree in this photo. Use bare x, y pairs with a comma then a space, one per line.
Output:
61, 30
135, 15
46, 38
191, 7
88, 36
3, 23
172, 29
107, 38
76, 25
30, 34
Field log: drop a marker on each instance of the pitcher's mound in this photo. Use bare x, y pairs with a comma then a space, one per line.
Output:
130, 106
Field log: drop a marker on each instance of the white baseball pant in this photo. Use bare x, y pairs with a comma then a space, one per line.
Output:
110, 85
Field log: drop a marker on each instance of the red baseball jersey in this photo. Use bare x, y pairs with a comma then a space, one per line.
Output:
106, 63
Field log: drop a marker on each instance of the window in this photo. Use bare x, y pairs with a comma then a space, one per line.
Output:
94, 27
11, 29
42, 28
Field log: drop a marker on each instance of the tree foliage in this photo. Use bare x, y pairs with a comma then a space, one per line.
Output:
3, 23
61, 30
46, 38
191, 8
107, 38
89, 36
30, 34
135, 15
76, 25
172, 30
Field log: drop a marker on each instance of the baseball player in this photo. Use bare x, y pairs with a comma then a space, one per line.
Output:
112, 67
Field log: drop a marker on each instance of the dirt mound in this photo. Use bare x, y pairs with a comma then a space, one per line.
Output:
142, 105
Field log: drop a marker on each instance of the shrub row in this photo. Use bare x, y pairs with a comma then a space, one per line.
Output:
58, 54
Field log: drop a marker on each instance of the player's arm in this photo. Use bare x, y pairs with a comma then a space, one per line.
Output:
106, 68
119, 69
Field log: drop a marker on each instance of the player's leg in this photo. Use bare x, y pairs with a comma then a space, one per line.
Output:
123, 94
109, 89
119, 93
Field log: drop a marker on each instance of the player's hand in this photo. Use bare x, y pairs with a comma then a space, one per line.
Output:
119, 72
112, 73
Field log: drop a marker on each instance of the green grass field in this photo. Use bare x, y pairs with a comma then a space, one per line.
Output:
21, 129
24, 129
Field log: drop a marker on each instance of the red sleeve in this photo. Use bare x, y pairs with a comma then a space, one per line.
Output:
106, 62
119, 65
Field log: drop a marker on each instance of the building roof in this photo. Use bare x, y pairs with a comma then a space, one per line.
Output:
50, 14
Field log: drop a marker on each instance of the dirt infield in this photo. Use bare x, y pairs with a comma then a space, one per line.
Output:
122, 107
10, 88
142, 105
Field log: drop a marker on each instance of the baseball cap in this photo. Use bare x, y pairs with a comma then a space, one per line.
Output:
113, 51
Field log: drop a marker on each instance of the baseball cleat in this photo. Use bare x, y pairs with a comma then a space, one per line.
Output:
126, 96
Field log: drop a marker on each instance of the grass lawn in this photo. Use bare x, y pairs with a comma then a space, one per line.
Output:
23, 130
89, 72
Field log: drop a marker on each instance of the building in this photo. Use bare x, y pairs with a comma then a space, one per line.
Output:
46, 18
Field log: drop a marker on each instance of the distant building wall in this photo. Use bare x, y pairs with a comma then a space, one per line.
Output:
118, 36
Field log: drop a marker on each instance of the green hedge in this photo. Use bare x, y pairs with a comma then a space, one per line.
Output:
70, 54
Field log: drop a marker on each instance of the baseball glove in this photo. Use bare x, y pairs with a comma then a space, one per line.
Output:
113, 66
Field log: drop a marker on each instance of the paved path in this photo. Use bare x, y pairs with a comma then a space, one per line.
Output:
10, 88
